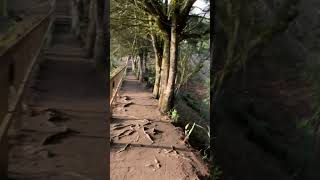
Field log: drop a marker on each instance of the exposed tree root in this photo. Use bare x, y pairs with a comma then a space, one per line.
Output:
124, 148
147, 135
122, 126
137, 139
57, 136
128, 104
157, 162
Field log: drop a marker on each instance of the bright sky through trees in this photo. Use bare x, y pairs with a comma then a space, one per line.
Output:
200, 6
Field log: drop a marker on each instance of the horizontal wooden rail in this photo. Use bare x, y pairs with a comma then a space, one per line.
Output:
116, 80
17, 63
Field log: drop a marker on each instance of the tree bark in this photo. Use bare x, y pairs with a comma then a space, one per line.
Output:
168, 94
75, 14
86, 8
100, 42
144, 65
133, 64
158, 56
137, 66
140, 65
3, 8
91, 34
164, 69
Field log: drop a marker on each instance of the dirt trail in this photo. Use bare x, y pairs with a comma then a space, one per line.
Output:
162, 155
63, 134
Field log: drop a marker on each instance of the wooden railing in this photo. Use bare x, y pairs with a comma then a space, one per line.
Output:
116, 80
17, 62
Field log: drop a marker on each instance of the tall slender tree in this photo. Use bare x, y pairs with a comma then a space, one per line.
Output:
157, 44
91, 33
75, 14
102, 37
168, 25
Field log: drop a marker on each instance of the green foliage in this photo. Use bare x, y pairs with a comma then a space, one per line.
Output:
128, 29
151, 80
215, 173
174, 116
201, 106
192, 55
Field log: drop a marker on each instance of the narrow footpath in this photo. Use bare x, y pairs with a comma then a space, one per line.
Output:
62, 135
144, 145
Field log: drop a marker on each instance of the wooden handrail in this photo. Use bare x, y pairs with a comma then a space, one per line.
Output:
28, 31
22, 54
117, 71
117, 82
13, 106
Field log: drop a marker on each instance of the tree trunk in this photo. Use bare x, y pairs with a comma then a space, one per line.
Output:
86, 7
140, 65
144, 65
158, 56
91, 34
82, 9
3, 8
133, 64
99, 48
164, 68
168, 94
75, 14
100, 42
137, 66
